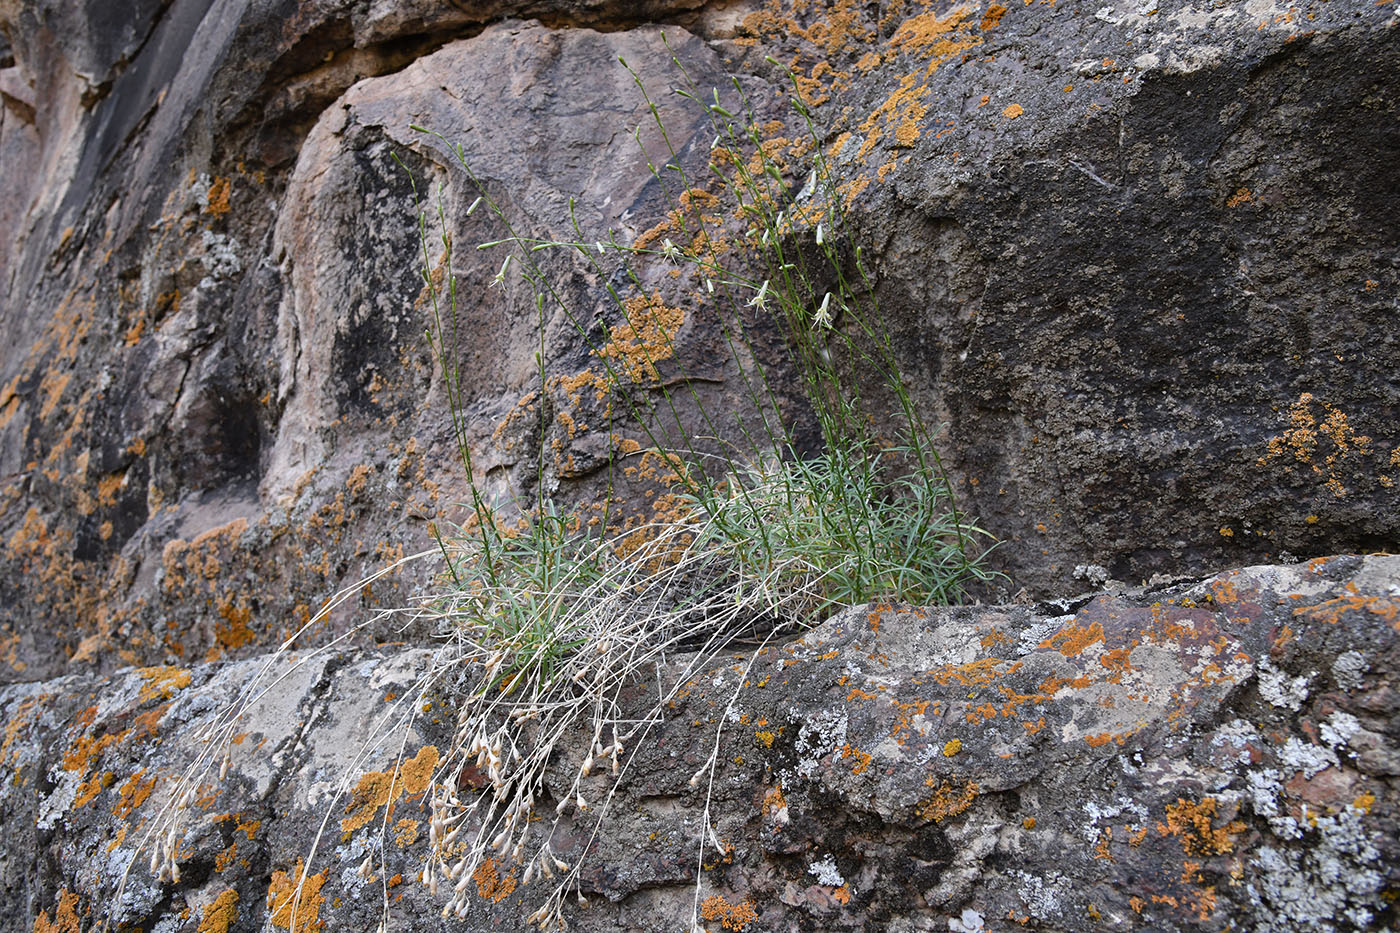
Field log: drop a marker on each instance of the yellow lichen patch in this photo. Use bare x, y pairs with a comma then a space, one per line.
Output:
1322, 444
234, 632
730, 916
491, 884
162, 682
764, 738
933, 40
1331, 611
644, 339
862, 758
952, 747
405, 833
133, 793
1013, 111
1191, 823
904, 719
1071, 640
65, 916
219, 916
976, 674
378, 788
294, 901
24, 714
946, 801
218, 197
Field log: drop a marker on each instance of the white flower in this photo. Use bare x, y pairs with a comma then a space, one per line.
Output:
475, 204
760, 301
599, 244
710, 286
670, 250
820, 238
500, 277
823, 316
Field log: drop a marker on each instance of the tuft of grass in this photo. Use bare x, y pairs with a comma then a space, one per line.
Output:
555, 618
549, 620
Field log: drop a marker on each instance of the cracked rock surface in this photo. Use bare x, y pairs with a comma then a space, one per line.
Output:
1208, 755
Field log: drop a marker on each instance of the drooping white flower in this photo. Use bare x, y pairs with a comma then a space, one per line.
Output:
823, 316
500, 277
760, 300
670, 250
820, 237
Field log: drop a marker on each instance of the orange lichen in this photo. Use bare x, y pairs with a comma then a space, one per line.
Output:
934, 40
976, 674
904, 720
1071, 639
491, 884
378, 788
730, 916
134, 793
1302, 442
219, 915
235, 632
1331, 611
162, 682
294, 901
405, 833
65, 916
218, 197
644, 339
862, 758
947, 801
993, 16
1191, 823
1013, 111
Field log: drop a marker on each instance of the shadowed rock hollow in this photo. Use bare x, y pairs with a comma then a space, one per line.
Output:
1141, 262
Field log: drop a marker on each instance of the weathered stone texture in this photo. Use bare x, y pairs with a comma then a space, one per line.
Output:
1210, 755
1141, 259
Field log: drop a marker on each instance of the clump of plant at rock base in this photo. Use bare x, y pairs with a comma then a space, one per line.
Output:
553, 616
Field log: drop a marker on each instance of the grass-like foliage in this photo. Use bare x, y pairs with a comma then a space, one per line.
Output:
554, 619
557, 616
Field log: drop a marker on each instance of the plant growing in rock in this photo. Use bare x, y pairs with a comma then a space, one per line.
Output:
556, 617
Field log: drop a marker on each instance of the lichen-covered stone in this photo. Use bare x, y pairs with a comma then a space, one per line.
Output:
1125, 761
1139, 260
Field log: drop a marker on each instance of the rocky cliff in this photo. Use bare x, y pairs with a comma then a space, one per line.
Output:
1141, 260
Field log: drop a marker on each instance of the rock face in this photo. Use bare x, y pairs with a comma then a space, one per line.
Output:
1141, 260
1212, 755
